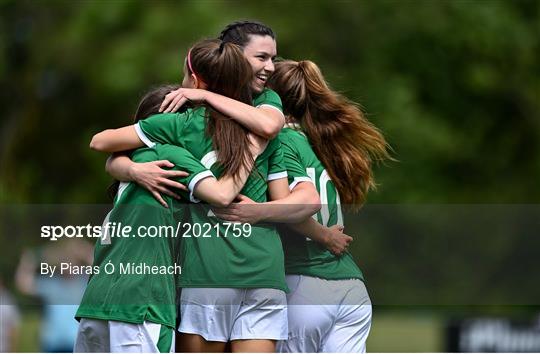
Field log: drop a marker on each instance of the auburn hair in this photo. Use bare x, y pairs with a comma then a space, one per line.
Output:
337, 129
224, 69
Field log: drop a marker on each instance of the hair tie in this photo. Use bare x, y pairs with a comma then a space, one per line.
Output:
221, 47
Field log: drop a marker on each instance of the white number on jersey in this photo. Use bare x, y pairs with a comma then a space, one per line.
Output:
322, 186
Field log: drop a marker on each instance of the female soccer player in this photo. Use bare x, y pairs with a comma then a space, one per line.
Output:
263, 115
341, 171
123, 310
328, 141
265, 118
233, 286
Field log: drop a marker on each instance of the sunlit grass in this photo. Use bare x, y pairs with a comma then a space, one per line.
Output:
406, 333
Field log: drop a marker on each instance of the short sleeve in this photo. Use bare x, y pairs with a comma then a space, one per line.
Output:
276, 166
295, 170
268, 98
161, 128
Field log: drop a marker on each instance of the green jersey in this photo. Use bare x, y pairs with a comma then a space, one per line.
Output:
216, 257
138, 270
303, 256
268, 98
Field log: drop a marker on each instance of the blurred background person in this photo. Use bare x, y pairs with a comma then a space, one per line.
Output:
60, 292
9, 321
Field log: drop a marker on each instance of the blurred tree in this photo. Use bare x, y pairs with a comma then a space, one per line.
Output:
454, 85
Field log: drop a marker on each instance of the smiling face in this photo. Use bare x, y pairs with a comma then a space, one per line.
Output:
260, 51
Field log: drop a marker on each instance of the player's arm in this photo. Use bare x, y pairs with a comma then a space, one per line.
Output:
149, 175
332, 238
287, 208
153, 175
118, 166
284, 207
295, 210
291, 207
265, 120
160, 128
216, 192
114, 140
221, 192
288, 205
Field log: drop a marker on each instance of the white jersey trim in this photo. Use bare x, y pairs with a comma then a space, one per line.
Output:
299, 180
278, 175
199, 177
264, 105
121, 188
293, 125
209, 159
143, 136
106, 237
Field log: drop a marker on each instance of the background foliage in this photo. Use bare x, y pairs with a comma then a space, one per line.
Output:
454, 85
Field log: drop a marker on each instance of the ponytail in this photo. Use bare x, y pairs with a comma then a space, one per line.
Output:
338, 131
224, 69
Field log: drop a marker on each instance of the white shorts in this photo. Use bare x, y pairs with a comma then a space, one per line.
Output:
326, 315
224, 314
122, 337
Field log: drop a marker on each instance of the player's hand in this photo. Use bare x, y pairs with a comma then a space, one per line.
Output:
257, 144
336, 241
152, 176
177, 98
244, 210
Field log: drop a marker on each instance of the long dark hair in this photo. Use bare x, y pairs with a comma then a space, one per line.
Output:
151, 101
224, 69
337, 129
